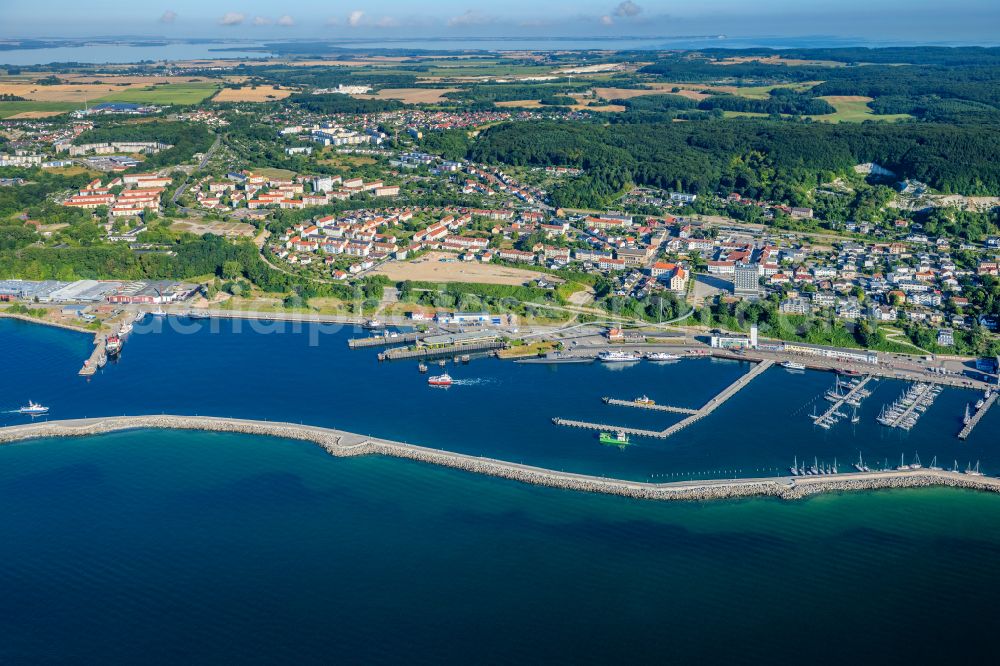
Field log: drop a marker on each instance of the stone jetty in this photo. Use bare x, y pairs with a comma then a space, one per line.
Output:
343, 444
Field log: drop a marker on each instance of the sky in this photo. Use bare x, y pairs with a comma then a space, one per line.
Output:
881, 20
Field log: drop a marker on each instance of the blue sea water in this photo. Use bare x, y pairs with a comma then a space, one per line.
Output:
206, 548
160, 547
306, 373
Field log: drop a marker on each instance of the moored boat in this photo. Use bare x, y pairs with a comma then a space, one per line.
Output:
617, 357
662, 356
113, 345
792, 365
644, 400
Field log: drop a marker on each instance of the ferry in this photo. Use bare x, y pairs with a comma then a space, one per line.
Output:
113, 345
620, 440
644, 400
662, 356
792, 365
617, 357
33, 409
440, 380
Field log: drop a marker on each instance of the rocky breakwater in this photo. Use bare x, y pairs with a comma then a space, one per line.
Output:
924, 478
342, 444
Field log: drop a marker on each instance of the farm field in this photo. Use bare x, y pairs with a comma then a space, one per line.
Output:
264, 93
430, 268
171, 93
32, 109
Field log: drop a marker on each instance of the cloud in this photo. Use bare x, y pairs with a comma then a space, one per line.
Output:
261, 20
387, 22
286, 21
169, 16
627, 8
355, 18
607, 20
232, 18
470, 17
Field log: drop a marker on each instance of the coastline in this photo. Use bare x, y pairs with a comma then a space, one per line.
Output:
44, 322
345, 444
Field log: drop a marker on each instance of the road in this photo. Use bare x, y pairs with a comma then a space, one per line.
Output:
201, 165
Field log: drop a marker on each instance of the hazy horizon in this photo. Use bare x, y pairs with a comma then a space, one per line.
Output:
883, 21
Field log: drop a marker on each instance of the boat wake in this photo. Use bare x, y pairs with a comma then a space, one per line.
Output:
475, 382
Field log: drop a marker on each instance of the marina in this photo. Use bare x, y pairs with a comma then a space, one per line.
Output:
906, 410
856, 392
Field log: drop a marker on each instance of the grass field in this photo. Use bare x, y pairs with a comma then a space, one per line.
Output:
537, 104
855, 109
850, 109
36, 109
171, 93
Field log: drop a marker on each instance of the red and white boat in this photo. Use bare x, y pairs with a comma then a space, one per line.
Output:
440, 380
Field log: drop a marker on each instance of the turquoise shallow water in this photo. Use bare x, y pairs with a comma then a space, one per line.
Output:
167, 547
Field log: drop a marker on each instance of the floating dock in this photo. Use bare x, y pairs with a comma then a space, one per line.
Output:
919, 398
852, 397
978, 416
698, 415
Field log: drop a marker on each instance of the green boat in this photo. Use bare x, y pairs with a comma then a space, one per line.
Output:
620, 440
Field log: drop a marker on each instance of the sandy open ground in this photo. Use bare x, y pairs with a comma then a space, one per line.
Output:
430, 268
28, 115
250, 94
228, 229
411, 95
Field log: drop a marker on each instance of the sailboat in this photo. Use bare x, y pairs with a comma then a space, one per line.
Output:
934, 465
860, 465
975, 471
794, 469
902, 463
968, 416
854, 417
916, 462
834, 470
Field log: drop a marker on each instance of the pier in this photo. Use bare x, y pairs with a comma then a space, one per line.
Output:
345, 444
650, 406
92, 364
383, 340
696, 416
401, 353
853, 396
978, 416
